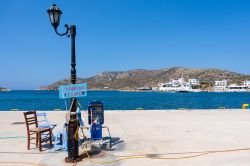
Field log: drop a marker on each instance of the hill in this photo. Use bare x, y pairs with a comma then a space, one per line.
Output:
133, 79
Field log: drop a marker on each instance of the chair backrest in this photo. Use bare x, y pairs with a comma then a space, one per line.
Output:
30, 119
42, 119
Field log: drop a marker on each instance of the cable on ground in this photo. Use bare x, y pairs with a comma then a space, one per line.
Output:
18, 162
163, 158
201, 152
9, 137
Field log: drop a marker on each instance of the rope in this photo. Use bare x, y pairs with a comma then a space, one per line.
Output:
81, 107
76, 135
65, 102
79, 104
67, 112
75, 163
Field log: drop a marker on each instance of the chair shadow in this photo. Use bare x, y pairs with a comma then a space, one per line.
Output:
45, 147
113, 141
103, 146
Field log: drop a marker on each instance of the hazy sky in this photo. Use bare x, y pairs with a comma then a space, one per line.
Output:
115, 35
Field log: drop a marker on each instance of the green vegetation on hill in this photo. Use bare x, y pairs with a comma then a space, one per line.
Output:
133, 79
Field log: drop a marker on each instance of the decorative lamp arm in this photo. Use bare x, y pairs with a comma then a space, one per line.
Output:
65, 33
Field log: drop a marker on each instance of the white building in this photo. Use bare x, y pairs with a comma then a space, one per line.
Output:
221, 83
237, 88
194, 82
247, 84
178, 85
220, 86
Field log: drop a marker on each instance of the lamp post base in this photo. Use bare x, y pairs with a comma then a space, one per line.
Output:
68, 160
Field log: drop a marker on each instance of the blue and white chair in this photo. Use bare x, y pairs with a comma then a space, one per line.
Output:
44, 123
61, 139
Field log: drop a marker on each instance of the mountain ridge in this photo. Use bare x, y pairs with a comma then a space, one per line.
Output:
136, 78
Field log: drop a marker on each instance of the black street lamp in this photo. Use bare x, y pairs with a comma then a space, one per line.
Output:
55, 14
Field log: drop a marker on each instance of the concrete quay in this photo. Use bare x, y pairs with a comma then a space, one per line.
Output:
143, 138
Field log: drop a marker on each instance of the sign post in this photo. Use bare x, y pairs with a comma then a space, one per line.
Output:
72, 90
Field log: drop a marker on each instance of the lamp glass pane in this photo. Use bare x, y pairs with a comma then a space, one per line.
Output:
59, 16
51, 17
56, 17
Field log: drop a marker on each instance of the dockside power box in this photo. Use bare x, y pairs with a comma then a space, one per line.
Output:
96, 119
95, 112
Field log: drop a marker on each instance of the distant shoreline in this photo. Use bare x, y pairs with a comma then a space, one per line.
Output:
120, 90
134, 110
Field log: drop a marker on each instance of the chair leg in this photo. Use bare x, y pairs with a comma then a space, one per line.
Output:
50, 138
28, 142
40, 142
36, 140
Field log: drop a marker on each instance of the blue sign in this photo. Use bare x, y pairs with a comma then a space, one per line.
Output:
72, 90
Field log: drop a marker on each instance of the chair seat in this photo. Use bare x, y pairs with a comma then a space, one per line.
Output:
37, 130
52, 126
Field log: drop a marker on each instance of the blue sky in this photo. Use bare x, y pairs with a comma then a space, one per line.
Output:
115, 35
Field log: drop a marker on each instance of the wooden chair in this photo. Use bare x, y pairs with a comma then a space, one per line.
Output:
32, 129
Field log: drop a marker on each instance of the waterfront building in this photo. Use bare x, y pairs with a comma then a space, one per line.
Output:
177, 85
194, 82
236, 88
246, 83
220, 86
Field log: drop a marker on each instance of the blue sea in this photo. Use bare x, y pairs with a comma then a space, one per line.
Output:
117, 100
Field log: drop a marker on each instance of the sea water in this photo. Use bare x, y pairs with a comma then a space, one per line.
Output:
118, 100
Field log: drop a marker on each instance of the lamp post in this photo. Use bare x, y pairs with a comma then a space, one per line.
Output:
55, 15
